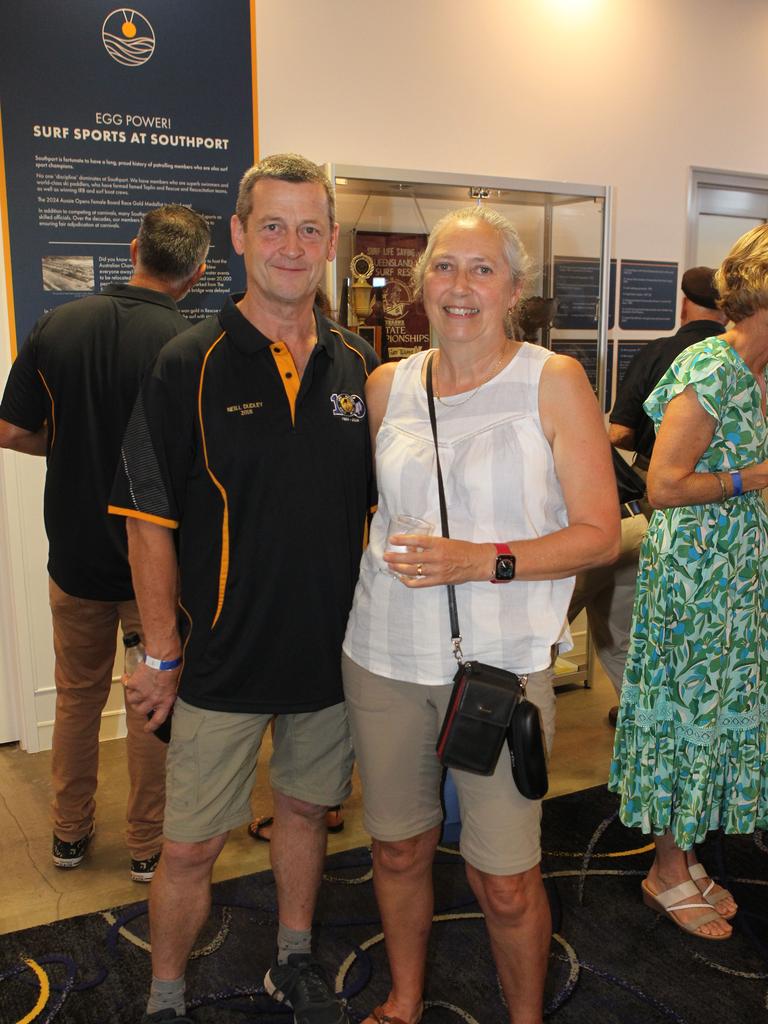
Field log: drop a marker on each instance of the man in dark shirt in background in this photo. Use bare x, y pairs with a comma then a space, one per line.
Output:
69, 396
700, 318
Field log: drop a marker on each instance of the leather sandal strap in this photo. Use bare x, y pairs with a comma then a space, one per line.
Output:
696, 922
384, 1018
713, 893
683, 891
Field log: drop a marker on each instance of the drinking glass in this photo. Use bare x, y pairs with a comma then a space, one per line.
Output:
408, 525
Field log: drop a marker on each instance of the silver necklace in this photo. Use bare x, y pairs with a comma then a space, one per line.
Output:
493, 371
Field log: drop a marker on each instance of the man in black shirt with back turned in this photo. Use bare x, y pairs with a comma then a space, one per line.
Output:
700, 318
69, 396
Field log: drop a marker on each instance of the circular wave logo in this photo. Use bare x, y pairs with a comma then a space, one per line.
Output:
128, 37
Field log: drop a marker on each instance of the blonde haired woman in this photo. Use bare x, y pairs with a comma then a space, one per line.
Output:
691, 752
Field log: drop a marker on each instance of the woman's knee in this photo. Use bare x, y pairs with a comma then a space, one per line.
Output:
405, 856
510, 897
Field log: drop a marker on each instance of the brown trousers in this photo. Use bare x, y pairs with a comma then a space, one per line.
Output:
84, 640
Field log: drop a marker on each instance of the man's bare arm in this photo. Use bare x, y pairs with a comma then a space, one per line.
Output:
154, 569
28, 442
622, 437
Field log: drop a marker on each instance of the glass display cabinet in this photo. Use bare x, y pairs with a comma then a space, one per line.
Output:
386, 214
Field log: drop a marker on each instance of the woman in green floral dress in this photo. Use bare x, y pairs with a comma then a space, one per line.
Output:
691, 750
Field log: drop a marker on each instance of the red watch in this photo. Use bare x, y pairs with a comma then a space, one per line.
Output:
505, 565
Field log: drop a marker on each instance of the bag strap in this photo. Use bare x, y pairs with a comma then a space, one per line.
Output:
452, 608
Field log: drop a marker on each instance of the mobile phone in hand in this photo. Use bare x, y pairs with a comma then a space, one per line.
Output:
163, 732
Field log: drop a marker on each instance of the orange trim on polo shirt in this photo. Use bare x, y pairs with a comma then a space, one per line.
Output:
289, 375
352, 348
52, 425
133, 513
188, 637
224, 565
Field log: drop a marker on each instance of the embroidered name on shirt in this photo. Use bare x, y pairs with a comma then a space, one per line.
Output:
245, 408
349, 407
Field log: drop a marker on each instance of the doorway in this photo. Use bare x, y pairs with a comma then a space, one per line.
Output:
722, 206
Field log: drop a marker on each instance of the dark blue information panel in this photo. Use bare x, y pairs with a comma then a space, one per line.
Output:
585, 350
648, 299
577, 290
627, 352
109, 111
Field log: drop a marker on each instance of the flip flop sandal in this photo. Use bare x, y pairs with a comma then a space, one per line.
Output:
714, 893
669, 902
335, 819
255, 828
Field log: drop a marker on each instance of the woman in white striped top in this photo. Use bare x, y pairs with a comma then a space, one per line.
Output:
531, 496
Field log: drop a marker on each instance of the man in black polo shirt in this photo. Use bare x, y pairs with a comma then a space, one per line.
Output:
249, 447
69, 396
700, 318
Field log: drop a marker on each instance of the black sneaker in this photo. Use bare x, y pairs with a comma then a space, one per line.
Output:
160, 1015
143, 870
303, 985
69, 855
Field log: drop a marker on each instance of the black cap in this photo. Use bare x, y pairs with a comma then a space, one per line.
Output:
698, 285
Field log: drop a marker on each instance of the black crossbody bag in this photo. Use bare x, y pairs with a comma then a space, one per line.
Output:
488, 705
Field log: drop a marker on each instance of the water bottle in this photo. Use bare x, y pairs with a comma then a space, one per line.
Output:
134, 653
134, 656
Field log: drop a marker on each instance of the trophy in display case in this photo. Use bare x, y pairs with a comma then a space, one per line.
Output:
361, 290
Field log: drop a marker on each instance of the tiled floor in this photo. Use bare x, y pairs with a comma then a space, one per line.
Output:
33, 892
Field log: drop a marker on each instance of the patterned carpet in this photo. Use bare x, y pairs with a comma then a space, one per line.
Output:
612, 960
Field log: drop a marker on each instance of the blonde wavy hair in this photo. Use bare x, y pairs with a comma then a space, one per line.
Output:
742, 277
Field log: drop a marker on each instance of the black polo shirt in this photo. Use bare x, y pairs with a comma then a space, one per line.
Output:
80, 370
643, 374
268, 480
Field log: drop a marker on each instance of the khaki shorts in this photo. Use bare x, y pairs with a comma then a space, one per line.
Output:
394, 727
211, 766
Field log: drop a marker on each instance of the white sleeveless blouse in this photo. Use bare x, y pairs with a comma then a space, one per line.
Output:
500, 485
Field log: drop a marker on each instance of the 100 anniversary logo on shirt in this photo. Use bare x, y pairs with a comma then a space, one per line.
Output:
349, 407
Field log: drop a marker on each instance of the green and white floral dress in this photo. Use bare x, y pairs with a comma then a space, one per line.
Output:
691, 749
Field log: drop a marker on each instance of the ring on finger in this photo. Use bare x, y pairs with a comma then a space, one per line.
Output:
420, 571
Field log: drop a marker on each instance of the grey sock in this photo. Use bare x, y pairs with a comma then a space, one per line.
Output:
167, 995
290, 941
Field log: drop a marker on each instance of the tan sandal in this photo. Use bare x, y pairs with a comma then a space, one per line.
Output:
669, 901
384, 1018
713, 893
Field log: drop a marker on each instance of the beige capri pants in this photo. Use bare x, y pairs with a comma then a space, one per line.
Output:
395, 725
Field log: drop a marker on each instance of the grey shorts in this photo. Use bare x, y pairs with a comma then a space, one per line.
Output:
211, 766
394, 726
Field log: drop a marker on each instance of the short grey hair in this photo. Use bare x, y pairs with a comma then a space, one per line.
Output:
172, 242
283, 167
517, 258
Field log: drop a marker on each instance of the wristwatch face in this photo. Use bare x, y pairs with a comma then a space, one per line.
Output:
505, 568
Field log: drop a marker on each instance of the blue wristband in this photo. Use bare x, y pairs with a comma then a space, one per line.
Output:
161, 666
738, 484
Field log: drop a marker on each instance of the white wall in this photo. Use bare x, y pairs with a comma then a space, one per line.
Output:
623, 92
629, 93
